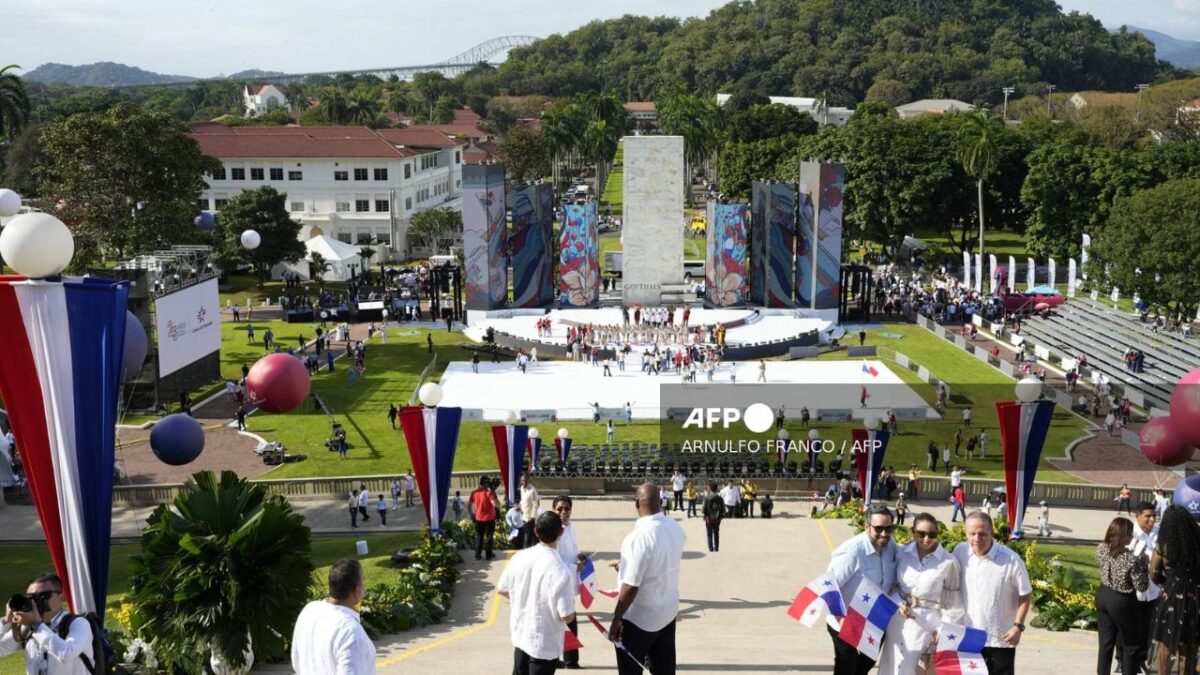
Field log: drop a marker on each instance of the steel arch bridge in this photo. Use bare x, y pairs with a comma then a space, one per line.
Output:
450, 67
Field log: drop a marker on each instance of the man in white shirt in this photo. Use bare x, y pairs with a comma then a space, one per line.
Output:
538, 584
410, 486
678, 483
956, 475
1145, 538
568, 551
732, 496
996, 592
329, 638
644, 619
46, 651
530, 504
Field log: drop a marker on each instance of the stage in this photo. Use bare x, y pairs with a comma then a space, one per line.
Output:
569, 389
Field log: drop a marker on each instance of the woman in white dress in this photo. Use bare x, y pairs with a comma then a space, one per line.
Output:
928, 579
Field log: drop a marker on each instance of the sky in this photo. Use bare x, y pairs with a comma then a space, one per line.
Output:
205, 38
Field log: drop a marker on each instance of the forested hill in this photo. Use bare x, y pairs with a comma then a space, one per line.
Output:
840, 49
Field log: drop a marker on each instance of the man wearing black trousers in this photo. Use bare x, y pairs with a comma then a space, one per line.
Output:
644, 619
714, 512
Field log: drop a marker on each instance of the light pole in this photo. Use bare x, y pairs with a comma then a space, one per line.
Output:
1007, 91
1049, 90
1137, 116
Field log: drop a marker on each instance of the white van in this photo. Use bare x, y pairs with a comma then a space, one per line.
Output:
442, 260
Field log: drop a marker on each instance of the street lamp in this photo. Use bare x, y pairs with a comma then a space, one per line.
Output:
1007, 91
1049, 90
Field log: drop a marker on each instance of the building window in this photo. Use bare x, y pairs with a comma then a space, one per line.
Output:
381, 205
202, 203
407, 204
276, 173
343, 236
360, 174
408, 170
458, 156
237, 174
362, 206
380, 174
220, 173
343, 207
341, 175
219, 203
383, 237
297, 207
256, 174
295, 175
364, 238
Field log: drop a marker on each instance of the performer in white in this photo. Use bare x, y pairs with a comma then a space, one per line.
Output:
928, 579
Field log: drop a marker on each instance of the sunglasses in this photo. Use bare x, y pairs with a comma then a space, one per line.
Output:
883, 528
925, 534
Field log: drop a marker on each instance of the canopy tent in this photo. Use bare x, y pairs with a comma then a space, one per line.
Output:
338, 254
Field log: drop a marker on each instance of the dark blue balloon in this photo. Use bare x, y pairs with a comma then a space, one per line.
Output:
205, 220
1187, 494
177, 439
135, 345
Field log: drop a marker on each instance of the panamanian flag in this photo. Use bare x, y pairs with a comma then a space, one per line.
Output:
432, 436
867, 619
510, 451
959, 651
869, 447
589, 587
535, 450
61, 377
1023, 430
813, 600
563, 446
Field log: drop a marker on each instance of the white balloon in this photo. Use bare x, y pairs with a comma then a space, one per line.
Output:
430, 394
251, 240
37, 245
511, 417
533, 432
872, 423
562, 433
813, 434
1029, 390
10, 203
783, 435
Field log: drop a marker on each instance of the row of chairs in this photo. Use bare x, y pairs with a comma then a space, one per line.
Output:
699, 469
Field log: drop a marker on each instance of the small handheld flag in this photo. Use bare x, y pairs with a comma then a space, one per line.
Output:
571, 641
959, 651
869, 369
867, 618
813, 600
588, 587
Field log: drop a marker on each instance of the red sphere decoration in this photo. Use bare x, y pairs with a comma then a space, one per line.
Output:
1185, 406
277, 383
1162, 444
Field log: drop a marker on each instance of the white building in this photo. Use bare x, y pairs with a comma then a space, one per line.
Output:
933, 106
818, 109
262, 98
354, 184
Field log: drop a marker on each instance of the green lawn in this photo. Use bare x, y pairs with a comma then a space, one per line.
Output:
1081, 557
243, 288
614, 190
1003, 243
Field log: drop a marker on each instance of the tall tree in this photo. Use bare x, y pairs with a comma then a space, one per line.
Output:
127, 180
14, 102
361, 108
265, 211
436, 228
335, 106
696, 119
978, 153
526, 154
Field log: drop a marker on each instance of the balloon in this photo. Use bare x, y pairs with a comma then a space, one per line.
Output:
37, 245
10, 203
177, 439
205, 220
1185, 406
533, 432
135, 345
277, 383
562, 433
1162, 444
511, 417
251, 240
1029, 389
430, 394
1187, 494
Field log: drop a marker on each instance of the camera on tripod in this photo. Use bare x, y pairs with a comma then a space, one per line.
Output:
20, 602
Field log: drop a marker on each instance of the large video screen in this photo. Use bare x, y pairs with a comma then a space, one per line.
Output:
188, 323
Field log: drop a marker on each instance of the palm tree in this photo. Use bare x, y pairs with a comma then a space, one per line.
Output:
600, 144
317, 267
366, 253
978, 153
361, 108
694, 118
333, 104
222, 569
14, 103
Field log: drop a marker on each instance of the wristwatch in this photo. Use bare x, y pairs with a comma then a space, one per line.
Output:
1020, 626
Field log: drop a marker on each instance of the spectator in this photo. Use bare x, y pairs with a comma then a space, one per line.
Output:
1122, 575
1175, 566
996, 592
540, 588
714, 513
329, 637
870, 555
483, 514
1123, 497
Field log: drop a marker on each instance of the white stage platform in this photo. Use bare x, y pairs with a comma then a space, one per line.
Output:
765, 326
571, 388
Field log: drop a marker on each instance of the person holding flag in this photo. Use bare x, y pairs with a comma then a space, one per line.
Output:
869, 556
996, 592
568, 551
928, 579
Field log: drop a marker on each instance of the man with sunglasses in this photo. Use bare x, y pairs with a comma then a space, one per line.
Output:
568, 550
37, 633
870, 555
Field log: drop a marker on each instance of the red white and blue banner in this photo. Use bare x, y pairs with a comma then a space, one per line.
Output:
1023, 429
535, 451
867, 619
61, 377
959, 651
432, 436
821, 595
510, 452
563, 446
868, 449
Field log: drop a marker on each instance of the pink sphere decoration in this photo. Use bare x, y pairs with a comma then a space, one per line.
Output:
1162, 444
1185, 406
277, 383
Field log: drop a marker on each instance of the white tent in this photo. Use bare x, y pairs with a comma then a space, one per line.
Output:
338, 254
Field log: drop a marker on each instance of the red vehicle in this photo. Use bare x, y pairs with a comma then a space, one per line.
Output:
1037, 299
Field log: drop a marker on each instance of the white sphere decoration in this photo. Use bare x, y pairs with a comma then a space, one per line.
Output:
10, 203
430, 394
1029, 390
783, 435
534, 433
37, 245
250, 240
813, 434
511, 417
872, 423
562, 433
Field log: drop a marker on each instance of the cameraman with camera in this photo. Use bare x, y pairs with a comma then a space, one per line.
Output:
35, 622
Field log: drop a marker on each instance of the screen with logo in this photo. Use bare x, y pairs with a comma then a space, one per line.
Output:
189, 326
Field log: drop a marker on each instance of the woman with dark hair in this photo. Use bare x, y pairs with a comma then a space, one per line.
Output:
1122, 575
928, 578
1175, 566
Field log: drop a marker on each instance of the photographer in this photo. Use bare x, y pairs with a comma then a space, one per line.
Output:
34, 622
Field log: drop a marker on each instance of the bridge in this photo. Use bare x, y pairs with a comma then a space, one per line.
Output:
459, 63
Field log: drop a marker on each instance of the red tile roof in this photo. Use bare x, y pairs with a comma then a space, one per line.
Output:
419, 137
466, 117
640, 106
293, 145
461, 130
481, 152
256, 88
